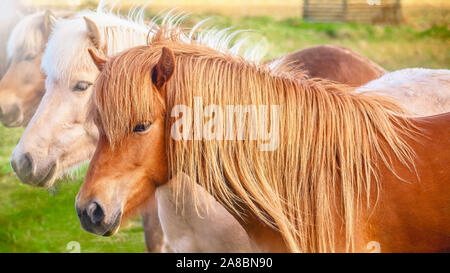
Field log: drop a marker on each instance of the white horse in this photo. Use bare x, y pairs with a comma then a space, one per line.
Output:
423, 92
59, 137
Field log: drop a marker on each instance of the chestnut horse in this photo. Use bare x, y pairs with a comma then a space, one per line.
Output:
23, 85
349, 169
334, 63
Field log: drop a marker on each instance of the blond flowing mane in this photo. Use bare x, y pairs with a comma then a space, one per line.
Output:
325, 167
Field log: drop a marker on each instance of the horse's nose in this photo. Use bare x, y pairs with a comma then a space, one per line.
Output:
23, 166
29, 173
95, 213
11, 115
91, 216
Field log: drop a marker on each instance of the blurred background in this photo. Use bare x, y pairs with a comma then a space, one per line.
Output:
395, 34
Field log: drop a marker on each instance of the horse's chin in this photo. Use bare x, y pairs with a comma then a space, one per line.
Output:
13, 123
114, 227
46, 182
50, 179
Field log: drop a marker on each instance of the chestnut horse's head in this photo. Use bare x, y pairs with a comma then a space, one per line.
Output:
123, 176
23, 85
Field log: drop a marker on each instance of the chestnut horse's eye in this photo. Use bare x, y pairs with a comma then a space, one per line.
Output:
81, 86
142, 127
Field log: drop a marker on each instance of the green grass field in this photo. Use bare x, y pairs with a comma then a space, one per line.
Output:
36, 220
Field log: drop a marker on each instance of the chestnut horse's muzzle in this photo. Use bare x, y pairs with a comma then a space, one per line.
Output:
92, 219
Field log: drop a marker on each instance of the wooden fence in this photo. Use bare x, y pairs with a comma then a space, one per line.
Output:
371, 11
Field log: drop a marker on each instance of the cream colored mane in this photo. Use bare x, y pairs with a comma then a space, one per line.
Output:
27, 36
330, 144
67, 49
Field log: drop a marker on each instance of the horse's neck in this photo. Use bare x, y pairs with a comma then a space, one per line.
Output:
420, 197
436, 129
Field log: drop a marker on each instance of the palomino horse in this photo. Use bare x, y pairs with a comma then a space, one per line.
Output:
54, 144
11, 12
334, 63
348, 169
23, 85
424, 92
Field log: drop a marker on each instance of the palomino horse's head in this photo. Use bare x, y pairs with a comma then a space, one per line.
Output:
23, 85
60, 137
122, 178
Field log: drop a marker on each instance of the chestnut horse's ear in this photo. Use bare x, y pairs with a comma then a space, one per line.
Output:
99, 61
93, 32
49, 22
163, 70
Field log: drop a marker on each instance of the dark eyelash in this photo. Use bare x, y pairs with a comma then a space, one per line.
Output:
81, 86
142, 127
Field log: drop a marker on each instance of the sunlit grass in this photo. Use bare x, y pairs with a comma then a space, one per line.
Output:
37, 220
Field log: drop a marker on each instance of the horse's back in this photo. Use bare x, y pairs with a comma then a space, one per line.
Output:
423, 92
335, 63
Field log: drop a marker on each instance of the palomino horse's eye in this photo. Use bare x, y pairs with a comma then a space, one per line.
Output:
30, 57
81, 86
142, 127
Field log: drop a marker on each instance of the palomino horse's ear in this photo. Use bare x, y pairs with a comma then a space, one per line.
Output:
163, 70
49, 22
93, 32
99, 61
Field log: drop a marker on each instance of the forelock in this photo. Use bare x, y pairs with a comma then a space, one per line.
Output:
27, 36
66, 50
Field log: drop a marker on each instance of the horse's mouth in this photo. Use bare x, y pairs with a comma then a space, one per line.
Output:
12, 124
114, 226
48, 180
35, 180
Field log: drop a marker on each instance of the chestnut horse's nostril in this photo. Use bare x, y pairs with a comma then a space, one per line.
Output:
95, 212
